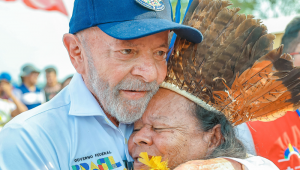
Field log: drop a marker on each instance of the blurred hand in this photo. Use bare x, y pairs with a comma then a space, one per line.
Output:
210, 164
6, 87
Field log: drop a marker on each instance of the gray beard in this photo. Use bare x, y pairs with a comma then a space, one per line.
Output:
124, 110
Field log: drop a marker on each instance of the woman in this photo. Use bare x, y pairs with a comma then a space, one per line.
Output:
233, 76
179, 130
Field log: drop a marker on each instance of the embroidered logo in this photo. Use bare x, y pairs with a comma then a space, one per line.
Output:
156, 5
291, 150
107, 163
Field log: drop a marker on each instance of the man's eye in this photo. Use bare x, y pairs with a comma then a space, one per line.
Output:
161, 55
126, 51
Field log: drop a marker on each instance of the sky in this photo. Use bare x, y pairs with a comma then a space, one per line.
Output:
35, 36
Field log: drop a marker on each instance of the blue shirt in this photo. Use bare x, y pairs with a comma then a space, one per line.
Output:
71, 131
31, 99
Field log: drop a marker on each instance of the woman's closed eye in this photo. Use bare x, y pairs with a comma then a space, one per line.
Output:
136, 130
159, 129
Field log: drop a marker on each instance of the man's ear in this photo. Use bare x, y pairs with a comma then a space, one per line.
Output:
215, 138
75, 50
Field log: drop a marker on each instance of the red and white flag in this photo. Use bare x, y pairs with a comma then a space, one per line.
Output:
49, 5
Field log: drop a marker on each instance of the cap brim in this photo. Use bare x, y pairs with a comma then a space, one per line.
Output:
128, 30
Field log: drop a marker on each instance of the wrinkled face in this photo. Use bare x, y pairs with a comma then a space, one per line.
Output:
124, 74
51, 79
168, 129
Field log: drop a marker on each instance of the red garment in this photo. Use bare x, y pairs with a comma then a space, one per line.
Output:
279, 140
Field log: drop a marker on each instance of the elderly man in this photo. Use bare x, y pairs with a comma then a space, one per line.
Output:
118, 49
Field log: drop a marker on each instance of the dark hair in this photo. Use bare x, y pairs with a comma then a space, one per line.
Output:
50, 70
291, 37
230, 146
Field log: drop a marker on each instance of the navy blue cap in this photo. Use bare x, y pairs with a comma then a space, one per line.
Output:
5, 76
129, 19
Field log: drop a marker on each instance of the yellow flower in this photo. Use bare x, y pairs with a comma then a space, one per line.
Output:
155, 162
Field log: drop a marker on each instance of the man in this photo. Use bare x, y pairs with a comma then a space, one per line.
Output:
118, 50
279, 140
31, 95
52, 87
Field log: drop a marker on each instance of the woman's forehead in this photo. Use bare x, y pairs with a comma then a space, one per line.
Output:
167, 104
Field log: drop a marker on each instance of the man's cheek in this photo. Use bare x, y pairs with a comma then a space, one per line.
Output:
162, 72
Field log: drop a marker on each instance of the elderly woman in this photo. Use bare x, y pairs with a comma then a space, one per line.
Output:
179, 130
233, 76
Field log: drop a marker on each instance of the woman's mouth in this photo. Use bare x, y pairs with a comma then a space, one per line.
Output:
138, 165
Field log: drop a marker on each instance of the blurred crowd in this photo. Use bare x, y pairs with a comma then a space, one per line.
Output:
17, 99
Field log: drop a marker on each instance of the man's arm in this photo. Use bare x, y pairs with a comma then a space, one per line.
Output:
23, 148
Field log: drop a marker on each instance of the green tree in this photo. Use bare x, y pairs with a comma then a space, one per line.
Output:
268, 8
259, 8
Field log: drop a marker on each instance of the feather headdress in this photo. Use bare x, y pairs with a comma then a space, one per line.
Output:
235, 69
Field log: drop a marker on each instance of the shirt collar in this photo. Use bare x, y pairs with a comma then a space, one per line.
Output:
83, 103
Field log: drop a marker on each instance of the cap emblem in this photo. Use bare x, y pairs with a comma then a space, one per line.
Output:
156, 5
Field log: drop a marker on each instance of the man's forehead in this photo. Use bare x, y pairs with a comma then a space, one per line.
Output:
96, 34
132, 43
160, 41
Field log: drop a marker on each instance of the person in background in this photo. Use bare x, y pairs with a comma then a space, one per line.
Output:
278, 140
53, 86
66, 81
4, 76
31, 95
10, 105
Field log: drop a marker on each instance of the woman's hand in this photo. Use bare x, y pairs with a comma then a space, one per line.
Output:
211, 164
7, 88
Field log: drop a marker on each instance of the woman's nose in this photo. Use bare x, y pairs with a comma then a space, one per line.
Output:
143, 137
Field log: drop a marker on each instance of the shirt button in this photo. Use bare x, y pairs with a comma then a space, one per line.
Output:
126, 141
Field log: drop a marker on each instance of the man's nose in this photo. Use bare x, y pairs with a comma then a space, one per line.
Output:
146, 67
142, 138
